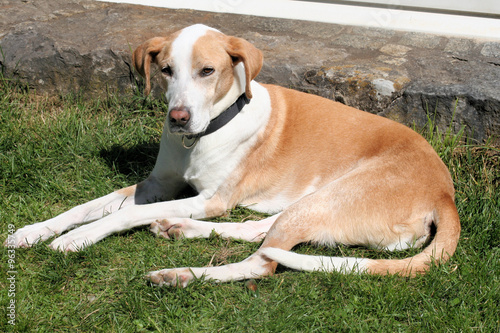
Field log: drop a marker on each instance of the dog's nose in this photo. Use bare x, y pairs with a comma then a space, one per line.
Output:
179, 117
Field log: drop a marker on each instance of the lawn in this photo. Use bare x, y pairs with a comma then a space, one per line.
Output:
57, 152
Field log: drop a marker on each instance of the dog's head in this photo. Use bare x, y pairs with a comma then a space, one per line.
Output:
204, 70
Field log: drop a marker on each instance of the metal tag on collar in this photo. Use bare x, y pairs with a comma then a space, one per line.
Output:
189, 146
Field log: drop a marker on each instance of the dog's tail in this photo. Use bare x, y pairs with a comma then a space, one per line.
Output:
439, 250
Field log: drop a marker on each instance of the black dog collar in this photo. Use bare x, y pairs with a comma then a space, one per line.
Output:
222, 119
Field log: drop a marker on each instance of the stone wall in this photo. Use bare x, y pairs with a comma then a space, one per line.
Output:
85, 46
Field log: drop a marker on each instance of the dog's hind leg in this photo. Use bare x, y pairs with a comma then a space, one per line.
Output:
254, 266
360, 209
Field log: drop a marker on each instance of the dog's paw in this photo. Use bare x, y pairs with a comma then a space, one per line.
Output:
160, 228
174, 228
175, 277
29, 235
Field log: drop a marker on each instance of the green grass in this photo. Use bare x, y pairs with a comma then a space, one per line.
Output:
59, 152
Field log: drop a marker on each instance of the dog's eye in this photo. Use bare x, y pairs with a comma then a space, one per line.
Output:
207, 71
167, 70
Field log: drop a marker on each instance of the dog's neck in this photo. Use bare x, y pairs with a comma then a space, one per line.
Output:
218, 122
223, 118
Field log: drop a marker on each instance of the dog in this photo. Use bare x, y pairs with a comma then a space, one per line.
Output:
327, 173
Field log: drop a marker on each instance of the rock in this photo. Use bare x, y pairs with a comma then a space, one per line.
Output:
491, 50
84, 46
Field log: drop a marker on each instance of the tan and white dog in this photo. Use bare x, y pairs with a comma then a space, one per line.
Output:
331, 174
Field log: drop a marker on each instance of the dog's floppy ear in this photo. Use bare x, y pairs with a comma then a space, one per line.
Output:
144, 55
242, 51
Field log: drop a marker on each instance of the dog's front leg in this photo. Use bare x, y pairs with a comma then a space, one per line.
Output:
149, 190
129, 217
87, 212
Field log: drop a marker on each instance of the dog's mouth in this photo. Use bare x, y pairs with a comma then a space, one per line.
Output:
183, 130
179, 130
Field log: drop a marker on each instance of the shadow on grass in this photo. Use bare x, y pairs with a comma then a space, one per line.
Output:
136, 162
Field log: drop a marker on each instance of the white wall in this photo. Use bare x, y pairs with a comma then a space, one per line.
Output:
390, 16
471, 7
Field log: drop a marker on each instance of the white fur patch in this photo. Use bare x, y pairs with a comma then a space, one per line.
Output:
183, 92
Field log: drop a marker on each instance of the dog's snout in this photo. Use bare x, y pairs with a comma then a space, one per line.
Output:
179, 117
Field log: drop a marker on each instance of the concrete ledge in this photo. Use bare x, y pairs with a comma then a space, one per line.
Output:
85, 46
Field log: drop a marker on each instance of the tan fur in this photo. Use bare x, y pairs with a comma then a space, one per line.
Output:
149, 52
242, 51
355, 155
127, 191
206, 52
